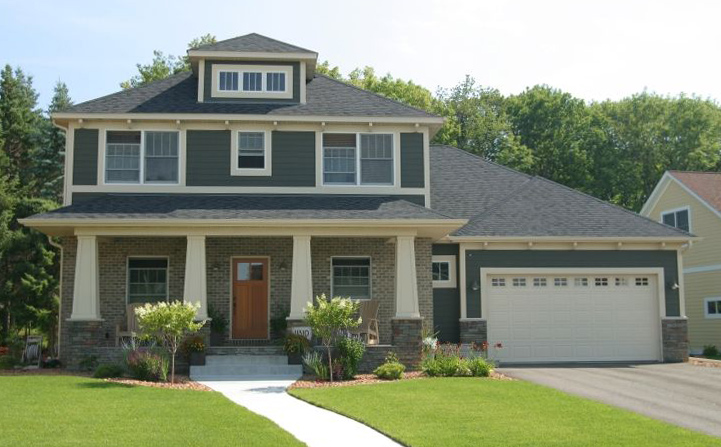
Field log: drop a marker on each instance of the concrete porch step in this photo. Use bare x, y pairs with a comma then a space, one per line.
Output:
208, 371
245, 350
245, 359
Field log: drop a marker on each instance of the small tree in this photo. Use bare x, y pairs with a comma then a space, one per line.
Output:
328, 318
169, 323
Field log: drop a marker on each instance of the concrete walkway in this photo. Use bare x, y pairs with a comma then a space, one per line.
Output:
679, 393
312, 425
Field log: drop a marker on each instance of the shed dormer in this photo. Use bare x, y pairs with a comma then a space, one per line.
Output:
252, 69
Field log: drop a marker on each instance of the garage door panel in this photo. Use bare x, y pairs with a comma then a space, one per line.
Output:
569, 321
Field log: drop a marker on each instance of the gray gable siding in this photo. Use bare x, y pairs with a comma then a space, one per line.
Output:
85, 157
478, 259
208, 164
446, 302
412, 166
208, 86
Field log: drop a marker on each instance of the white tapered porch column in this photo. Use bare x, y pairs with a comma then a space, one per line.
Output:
86, 298
301, 286
406, 282
195, 288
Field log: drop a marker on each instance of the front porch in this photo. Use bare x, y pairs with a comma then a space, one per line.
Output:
276, 276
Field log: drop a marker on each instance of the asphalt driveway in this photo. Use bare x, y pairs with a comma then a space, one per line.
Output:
679, 393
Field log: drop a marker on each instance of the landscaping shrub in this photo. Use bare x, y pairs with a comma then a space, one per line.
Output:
449, 362
392, 369
296, 344
710, 351
7, 361
315, 363
88, 363
480, 367
147, 365
192, 344
350, 353
108, 370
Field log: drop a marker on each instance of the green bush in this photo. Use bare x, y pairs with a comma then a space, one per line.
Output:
7, 361
453, 365
108, 370
480, 367
710, 351
295, 344
147, 365
88, 363
390, 371
315, 363
350, 351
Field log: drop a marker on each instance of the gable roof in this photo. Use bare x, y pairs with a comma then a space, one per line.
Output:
252, 43
178, 95
500, 202
706, 185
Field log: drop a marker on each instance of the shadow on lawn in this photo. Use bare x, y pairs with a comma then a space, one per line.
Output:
103, 385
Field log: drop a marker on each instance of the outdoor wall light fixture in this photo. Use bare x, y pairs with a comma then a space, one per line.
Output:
283, 266
475, 286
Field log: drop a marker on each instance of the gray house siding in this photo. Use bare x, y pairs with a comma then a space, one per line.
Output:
412, 166
478, 259
208, 86
446, 302
85, 157
208, 153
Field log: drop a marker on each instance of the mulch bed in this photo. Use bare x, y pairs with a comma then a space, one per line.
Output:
368, 379
181, 383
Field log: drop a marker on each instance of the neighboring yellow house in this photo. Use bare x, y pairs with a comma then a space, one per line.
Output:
692, 201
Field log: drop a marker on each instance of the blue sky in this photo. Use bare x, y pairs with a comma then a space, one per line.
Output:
592, 49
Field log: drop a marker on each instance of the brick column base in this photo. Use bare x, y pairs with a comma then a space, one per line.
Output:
84, 338
407, 342
674, 333
474, 331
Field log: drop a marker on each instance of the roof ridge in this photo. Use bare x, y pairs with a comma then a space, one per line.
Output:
694, 172
484, 159
612, 205
377, 95
132, 89
253, 34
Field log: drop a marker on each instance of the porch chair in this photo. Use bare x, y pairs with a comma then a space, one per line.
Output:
369, 322
131, 324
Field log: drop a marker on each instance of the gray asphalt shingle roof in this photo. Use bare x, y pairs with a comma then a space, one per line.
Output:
252, 42
197, 206
178, 94
501, 202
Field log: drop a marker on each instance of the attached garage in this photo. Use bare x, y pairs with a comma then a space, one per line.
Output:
574, 315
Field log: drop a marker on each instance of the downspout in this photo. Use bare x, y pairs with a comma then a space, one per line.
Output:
60, 288
65, 170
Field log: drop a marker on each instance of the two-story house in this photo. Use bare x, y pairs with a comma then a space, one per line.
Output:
253, 183
691, 201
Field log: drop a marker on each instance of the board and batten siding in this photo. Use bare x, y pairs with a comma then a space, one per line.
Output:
208, 153
478, 259
208, 86
412, 161
706, 252
85, 157
446, 302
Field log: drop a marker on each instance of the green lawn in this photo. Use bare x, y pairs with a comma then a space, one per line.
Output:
74, 411
479, 412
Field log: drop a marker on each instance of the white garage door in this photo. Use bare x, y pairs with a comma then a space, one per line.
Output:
573, 318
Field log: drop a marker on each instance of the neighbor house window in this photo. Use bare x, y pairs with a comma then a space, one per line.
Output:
228, 81
251, 150
141, 156
352, 159
147, 280
351, 277
712, 307
443, 271
677, 218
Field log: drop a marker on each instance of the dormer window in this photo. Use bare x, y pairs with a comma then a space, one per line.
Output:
252, 81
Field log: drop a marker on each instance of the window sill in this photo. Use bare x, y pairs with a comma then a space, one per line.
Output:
251, 172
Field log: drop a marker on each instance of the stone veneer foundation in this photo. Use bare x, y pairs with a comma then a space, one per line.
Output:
674, 333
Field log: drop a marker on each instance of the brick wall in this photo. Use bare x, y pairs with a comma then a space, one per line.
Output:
474, 331
674, 333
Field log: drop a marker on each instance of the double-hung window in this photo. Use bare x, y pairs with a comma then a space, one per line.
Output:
351, 278
147, 280
712, 307
138, 157
677, 218
251, 153
358, 159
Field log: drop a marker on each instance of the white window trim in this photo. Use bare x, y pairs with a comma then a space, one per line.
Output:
676, 210
452, 281
268, 152
705, 307
141, 182
127, 274
370, 274
395, 138
263, 69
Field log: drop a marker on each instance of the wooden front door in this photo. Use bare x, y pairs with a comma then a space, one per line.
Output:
250, 298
